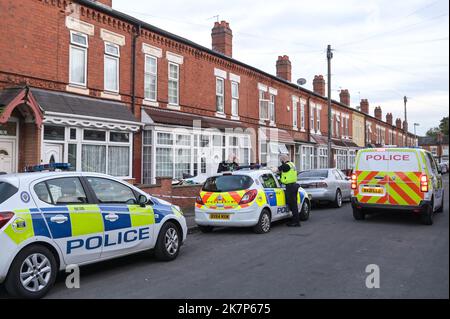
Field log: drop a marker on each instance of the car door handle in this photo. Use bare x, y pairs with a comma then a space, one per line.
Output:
111, 217
271, 195
59, 219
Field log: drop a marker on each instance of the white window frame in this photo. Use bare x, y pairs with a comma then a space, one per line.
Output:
177, 80
78, 46
147, 72
263, 103
116, 57
222, 95
318, 128
302, 115
295, 114
272, 103
234, 99
312, 120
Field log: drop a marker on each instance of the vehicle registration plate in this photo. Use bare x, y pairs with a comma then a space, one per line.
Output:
220, 216
373, 190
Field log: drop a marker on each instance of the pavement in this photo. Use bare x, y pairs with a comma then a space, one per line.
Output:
325, 258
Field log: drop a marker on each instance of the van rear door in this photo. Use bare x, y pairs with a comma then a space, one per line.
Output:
372, 168
404, 177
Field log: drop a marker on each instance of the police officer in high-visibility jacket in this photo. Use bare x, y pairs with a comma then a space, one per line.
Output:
289, 178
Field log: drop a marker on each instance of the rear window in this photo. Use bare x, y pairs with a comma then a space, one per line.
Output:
313, 174
227, 183
6, 191
388, 161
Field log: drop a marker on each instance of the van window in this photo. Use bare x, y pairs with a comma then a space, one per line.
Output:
388, 161
6, 191
431, 163
227, 183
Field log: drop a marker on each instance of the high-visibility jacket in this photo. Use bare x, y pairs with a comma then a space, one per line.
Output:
290, 176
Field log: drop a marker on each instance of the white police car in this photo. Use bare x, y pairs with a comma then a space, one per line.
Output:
54, 219
245, 198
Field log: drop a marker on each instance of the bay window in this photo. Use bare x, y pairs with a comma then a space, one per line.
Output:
151, 78
307, 157
78, 58
323, 158
112, 55
341, 159
174, 83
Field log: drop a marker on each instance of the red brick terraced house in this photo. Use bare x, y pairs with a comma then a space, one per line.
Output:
86, 84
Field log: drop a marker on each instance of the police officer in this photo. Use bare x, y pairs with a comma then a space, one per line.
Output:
230, 165
289, 178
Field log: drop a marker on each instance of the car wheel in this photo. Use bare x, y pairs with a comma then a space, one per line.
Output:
306, 210
358, 214
206, 229
264, 223
427, 215
32, 273
338, 199
169, 242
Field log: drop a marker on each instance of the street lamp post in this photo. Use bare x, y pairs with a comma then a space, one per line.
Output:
330, 153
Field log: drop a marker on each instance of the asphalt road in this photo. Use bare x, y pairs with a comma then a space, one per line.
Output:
326, 258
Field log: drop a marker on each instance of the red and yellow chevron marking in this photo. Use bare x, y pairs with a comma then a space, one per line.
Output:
222, 201
402, 188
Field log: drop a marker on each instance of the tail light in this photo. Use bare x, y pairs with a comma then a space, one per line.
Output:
5, 217
424, 183
354, 181
249, 197
199, 200
321, 185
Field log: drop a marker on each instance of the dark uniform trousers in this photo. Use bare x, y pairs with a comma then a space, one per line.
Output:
291, 201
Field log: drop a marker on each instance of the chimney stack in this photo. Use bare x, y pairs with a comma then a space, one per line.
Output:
319, 85
222, 38
398, 123
284, 68
389, 118
378, 113
345, 97
364, 105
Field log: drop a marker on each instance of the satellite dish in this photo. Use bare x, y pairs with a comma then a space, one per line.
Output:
301, 81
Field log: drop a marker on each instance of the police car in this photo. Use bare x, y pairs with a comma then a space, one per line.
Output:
405, 179
245, 198
50, 220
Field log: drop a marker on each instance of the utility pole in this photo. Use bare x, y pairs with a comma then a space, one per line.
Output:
330, 153
405, 100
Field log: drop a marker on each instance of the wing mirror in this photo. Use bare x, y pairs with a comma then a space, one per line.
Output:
142, 200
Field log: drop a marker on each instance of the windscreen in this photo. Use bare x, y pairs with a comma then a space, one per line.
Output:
313, 174
227, 183
388, 161
6, 191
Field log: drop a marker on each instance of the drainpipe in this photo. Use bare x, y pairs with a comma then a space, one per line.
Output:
133, 68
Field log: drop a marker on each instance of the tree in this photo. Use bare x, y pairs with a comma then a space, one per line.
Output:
433, 132
443, 127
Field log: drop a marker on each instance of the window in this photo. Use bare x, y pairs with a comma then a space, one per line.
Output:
62, 191
295, 114
93, 158
151, 76
234, 99
227, 183
323, 158
147, 160
111, 192
307, 157
302, 114
338, 125
351, 159
112, 55
220, 89
268, 181
272, 108
318, 119
72, 155
263, 106
91, 135
341, 157
78, 58
174, 77
54, 133
311, 118
6, 191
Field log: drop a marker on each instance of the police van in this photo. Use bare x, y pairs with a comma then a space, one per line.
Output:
50, 220
249, 197
399, 179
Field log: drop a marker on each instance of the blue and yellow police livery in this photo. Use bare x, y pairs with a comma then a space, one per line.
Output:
51, 220
245, 198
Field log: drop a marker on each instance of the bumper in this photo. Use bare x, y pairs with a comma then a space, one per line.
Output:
242, 218
319, 194
421, 207
7, 254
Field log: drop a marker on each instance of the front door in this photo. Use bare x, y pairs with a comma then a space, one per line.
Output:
53, 153
7, 156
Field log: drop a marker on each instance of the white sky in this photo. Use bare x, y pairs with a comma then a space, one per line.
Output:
384, 49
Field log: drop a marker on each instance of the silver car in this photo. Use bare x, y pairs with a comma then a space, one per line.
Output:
330, 185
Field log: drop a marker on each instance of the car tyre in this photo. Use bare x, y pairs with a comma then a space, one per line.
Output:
264, 223
441, 209
169, 242
427, 215
206, 229
306, 210
359, 214
40, 263
338, 199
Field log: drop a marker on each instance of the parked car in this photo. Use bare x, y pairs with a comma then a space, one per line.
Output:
329, 185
